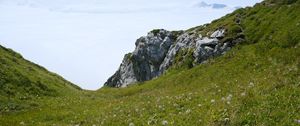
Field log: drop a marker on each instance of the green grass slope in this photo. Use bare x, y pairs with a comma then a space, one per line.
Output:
22, 81
256, 83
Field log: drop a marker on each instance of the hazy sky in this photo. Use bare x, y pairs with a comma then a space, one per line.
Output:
85, 40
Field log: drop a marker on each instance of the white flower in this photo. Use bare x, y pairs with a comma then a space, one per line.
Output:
160, 106
228, 102
199, 105
229, 97
164, 123
213, 101
22, 123
251, 84
131, 124
188, 111
243, 94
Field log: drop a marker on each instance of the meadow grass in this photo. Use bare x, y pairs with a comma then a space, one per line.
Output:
255, 83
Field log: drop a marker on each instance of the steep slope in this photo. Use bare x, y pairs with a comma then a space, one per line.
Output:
22, 80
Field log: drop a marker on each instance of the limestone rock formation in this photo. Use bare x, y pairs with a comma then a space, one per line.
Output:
156, 53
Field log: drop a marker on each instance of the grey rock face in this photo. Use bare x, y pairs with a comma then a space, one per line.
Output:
183, 41
143, 64
125, 74
156, 53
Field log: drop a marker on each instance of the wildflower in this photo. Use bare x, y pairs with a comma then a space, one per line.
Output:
229, 97
228, 102
251, 84
243, 94
164, 123
131, 124
213, 101
160, 106
199, 105
22, 123
188, 111
297, 121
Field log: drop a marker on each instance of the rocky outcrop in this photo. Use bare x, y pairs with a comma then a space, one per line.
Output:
156, 53
144, 62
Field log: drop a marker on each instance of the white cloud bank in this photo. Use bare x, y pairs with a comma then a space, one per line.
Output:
214, 5
85, 40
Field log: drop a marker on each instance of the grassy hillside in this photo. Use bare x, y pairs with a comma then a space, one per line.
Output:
22, 81
256, 83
